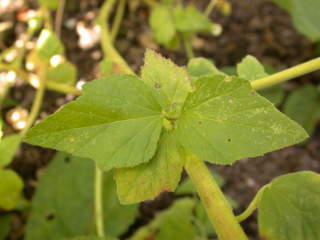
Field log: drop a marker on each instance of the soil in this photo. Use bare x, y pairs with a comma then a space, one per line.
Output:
257, 27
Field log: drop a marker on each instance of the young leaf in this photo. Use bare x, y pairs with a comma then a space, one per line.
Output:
116, 122
8, 148
303, 105
162, 33
5, 226
63, 207
48, 45
161, 173
225, 120
200, 67
171, 83
191, 20
289, 207
251, 69
63, 73
10, 189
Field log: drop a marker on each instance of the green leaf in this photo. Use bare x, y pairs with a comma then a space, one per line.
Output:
285, 4
5, 226
305, 16
63, 73
48, 45
172, 223
52, 4
8, 148
274, 94
161, 173
224, 120
62, 206
229, 70
177, 222
10, 189
289, 208
118, 217
171, 83
162, 33
116, 122
251, 69
303, 105
200, 67
191, 20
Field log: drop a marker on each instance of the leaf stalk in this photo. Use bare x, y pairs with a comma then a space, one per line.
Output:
106, 41
98, 206
288, 74
252, 206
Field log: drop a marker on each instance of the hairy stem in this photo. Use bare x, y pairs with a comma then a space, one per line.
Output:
215, 203
37, 102
98, 206
118, 19
106, 43
286, 75
252, 206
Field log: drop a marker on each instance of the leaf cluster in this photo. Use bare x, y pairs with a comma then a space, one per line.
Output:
144, 127
170, 23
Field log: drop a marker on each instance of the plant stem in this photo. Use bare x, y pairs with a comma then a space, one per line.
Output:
59, 87
37, 102
63, 88
106, 42
98, 202
118, 19
252, 206
286, 75
215, 203
210, 7
59, 17
188, 47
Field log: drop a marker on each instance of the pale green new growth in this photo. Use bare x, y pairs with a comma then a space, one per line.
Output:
251, 69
